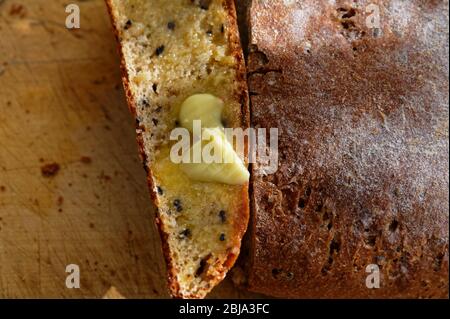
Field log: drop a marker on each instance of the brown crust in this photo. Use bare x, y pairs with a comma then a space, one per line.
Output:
363, 175
241, 223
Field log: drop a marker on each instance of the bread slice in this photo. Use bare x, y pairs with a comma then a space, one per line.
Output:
171, 50
362, 184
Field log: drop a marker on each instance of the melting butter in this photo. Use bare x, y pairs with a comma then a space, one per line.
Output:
226, 167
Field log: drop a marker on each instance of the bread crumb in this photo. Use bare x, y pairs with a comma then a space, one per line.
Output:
104, 177
86, 160
113, 293
17, 10
50, 170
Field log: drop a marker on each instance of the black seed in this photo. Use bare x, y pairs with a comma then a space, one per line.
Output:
127, 25
209, 32
155, 87
177, 204
160, 190
177, 123
222, 28
159, 50
145, 102
185, 233
155, 122
204, 4
223, 216
222, 237
171, 25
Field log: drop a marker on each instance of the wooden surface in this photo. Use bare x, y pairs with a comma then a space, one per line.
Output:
61, 101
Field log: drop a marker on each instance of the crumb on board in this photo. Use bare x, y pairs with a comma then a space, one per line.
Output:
17, 10
104, 177
50, 170
85, 160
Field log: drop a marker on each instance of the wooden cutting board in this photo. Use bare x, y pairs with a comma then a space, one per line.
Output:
62, 106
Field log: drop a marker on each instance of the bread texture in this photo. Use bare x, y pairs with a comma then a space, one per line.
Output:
171, 50
362, 112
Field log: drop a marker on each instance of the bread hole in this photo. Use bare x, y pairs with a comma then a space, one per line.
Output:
438, 262
318, 208
393, 226
308, 191
330, 225
282, 274
301, 203
155, 87
202, 266
371, 240
350, 31
276, 272
348, 24
335, 247
327, 267
347, 13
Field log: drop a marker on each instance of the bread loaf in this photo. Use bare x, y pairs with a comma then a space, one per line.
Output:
362, 184
170, 51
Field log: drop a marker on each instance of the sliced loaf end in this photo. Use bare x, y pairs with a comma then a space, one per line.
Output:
171, 50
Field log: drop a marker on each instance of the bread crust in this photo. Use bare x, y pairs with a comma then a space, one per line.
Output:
241, 222
359, 182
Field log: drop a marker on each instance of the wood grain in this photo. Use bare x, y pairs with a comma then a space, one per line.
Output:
61, 101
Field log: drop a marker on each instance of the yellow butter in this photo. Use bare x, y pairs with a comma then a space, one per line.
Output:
226, 166
204, 107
